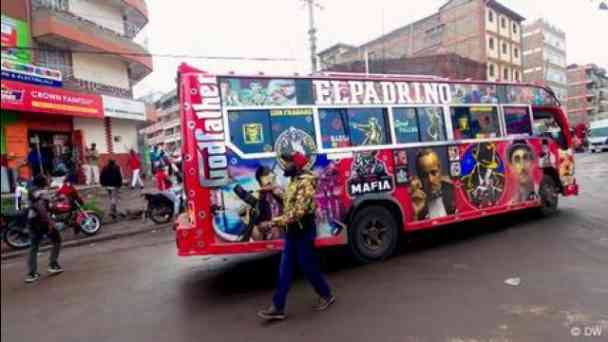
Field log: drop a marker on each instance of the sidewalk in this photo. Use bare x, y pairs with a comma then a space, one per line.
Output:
130, 201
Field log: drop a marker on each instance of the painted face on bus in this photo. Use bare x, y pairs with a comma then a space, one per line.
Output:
521, 163
431, 171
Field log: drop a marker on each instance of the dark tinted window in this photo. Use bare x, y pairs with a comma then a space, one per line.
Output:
518, 120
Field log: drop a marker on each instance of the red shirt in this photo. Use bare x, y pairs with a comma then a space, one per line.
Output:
161, 180
134, 162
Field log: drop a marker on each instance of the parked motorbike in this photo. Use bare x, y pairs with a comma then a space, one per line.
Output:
66, 212
13, 229
164, 206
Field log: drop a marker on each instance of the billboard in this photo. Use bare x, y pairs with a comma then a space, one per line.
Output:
118, 108
28, 73
15, 33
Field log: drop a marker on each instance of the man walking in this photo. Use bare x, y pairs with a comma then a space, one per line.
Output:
298, 220
41, 224
91, 166
111, 179
135, 165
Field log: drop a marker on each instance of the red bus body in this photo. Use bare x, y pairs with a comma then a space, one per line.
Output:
351, 177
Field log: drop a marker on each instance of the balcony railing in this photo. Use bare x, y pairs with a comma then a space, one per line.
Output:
70, 81
63, 6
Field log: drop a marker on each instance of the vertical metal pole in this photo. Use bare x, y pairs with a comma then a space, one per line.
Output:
312, 33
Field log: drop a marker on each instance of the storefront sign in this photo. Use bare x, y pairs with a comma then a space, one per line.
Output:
28, 98
15, 33
28, 73
115, 107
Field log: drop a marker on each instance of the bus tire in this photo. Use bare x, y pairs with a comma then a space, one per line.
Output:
549, 196
373, 234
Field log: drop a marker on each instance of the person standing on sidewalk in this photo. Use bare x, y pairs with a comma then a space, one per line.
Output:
298, 220
111, 179
41, 224
91, 166
135, 166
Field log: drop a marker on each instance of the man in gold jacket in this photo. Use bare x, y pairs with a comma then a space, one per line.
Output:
298, 220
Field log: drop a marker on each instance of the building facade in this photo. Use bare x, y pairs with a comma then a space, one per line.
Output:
587, 93
545, 57
483, 31
89, 48
165, 131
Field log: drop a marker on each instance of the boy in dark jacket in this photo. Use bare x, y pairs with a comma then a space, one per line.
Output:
111, 179
40, 224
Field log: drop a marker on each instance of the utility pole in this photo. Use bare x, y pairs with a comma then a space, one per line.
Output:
312, 31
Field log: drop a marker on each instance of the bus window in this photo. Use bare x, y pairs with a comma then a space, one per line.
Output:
367, 126
406, 125
250, 130
546, 126
334, 123
480, 122
432, 125
518, 120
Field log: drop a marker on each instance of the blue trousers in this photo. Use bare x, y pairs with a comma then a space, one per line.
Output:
299, 250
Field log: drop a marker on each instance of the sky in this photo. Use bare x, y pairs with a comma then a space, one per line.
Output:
278, 29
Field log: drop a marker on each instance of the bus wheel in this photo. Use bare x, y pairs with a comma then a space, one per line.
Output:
373, 234
549, 196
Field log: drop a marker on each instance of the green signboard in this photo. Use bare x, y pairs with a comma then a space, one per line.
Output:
6, 118
15, 33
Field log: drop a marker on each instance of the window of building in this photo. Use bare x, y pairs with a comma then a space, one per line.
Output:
503, 23
492, 70
516, 74
256, 131
354, 127
491, 43
419, 124
516, 52
518, 120
505, 74
479, 122
514, 28
504, 48
490, 16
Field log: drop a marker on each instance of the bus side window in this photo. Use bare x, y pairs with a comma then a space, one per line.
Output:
477, 122
545, 126
334, 125
425, 124
250, 130
518, 120
368, 126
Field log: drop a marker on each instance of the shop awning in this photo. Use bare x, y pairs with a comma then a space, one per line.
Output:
31, 98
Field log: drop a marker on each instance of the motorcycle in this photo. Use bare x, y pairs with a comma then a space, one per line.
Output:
67, 212
163, 206
13, 229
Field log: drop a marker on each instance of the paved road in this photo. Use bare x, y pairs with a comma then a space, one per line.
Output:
446, 285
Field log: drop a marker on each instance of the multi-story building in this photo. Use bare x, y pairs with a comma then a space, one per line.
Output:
90, 48
545, 57
484, 31
587, 93
166, 130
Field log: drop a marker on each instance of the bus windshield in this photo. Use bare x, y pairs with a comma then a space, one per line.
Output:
599, 132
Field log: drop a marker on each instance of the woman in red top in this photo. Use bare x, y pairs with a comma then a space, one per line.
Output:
135, 166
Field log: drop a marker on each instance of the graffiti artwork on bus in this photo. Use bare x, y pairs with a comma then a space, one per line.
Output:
522, 161
483, 175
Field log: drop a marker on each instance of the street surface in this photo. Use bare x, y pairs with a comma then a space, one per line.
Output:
445, 285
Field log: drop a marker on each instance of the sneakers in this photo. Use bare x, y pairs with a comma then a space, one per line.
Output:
324, 303
272, 314
55, 269
31, 278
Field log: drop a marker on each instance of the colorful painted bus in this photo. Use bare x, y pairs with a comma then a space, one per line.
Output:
392, 154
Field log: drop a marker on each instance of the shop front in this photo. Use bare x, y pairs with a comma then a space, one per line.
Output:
38, 131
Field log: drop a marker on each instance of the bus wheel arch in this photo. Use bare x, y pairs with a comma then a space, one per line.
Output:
374, 230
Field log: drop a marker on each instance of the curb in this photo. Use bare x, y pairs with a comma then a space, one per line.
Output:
88, 240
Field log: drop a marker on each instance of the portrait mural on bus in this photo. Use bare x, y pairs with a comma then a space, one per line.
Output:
430, 187
523, 165
483, 174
